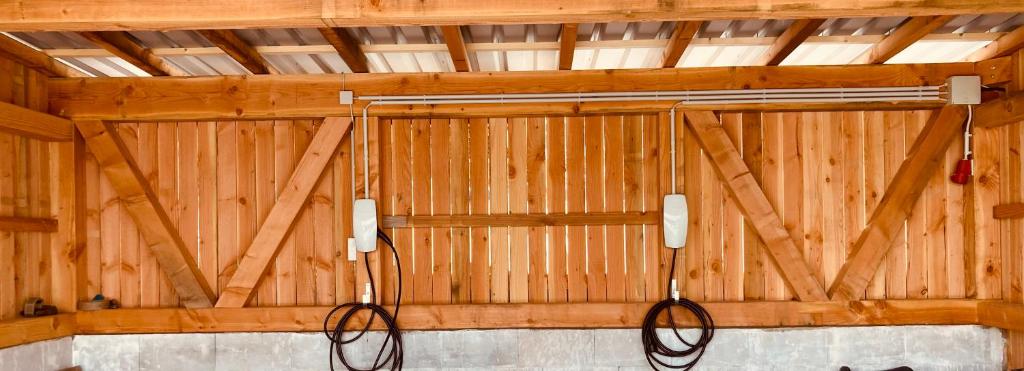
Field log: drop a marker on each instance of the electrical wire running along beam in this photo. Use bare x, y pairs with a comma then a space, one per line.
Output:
684, 97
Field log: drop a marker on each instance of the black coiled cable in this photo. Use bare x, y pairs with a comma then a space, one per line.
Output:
660, 354
390, 355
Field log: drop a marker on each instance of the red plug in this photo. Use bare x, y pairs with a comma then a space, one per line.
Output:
962, 173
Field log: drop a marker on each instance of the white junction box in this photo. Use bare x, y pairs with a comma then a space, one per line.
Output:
346, 97
964, 89
675, 219
364, 224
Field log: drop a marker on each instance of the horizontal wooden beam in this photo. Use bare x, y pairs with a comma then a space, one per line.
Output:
999, 112
29, 330
35, 59
550, 315
521, 220
22, 224
34, 124
236, 97
1013, 210
69, 15
1007, 316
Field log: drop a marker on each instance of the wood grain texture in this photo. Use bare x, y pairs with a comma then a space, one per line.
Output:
923, 159
750, 198
139, 15
267, 241
144, 207
22, 121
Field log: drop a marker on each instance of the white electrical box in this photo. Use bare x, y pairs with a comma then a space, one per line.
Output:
675, 219
346, 97
964, 89
364, 224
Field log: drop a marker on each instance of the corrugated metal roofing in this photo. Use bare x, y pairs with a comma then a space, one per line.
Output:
533, 47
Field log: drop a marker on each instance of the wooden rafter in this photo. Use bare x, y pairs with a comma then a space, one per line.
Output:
23, 121
240, 51
999, 112
681, 36
751, 200
1002, 47
456, 47
234, 97
567, 45
142, 204
348, 48
109, 15
35, 59
265, 245
785, 44
903, 36
124, 46
892, 211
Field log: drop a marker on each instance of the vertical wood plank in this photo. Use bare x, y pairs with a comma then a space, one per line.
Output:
227, 201
693, 261
984, 191
323, 238
187, 180
556, 204
874, 186
149, 269
773, 181
8, 268
895, 152
110, 241
499, 130
811, 140
264, 200
284, 165
833, 200
536, 201
917, 245
793, 157
440, 179
751, 264
422, 237
207, 188
479, 171
576, 244
131, 249
389, 279
460, 200
302, 230
92, 223
957, 270
653, 154
615, 253
518, 159
633, 197
597, 281
246, 183
345, 273
731, 222
402, 150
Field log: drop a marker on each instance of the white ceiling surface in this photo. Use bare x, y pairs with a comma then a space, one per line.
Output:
533, 47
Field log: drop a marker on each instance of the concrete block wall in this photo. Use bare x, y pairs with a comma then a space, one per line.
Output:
960, 348
42, 356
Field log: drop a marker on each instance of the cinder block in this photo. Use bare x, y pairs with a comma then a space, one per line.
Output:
555, 348
474, 348
177, 352
619, 348
107, 352
57, 354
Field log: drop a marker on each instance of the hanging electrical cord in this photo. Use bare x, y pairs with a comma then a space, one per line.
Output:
390, 355
660, 354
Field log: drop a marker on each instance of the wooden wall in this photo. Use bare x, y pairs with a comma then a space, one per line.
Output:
823, 171
1003, 167
28, 188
